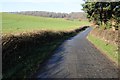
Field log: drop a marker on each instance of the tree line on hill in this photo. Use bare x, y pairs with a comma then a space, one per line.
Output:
71, 16
105, 14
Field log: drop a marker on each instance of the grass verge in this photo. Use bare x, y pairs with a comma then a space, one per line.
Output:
109, 49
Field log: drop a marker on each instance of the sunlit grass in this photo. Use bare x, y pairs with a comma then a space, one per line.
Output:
15, 23
109, 49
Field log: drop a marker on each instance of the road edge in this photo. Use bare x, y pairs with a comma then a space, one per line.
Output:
104, 53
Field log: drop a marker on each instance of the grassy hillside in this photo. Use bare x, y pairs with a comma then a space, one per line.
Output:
15, 23
26, 52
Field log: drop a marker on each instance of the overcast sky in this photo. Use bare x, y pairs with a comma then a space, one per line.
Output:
66, 6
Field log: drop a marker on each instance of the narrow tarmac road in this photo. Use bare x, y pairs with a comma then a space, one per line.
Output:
78, 58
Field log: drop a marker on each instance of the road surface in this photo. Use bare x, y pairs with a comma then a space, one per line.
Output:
78, 58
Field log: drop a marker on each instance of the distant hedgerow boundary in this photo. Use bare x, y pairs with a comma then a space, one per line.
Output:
23, 54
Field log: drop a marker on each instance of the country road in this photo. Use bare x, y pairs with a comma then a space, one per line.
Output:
78, 58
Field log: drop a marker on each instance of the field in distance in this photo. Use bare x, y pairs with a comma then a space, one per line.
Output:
16, 23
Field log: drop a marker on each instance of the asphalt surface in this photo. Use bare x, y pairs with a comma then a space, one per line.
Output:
78, 58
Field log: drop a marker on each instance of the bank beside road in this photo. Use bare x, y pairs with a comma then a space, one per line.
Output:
108, 49
26, 52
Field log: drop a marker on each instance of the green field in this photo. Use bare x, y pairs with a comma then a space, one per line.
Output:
16, 23
24, 53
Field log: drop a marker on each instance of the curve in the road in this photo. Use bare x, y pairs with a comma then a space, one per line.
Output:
78, 58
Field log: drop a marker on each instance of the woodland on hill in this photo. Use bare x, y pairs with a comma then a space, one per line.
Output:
71, 16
